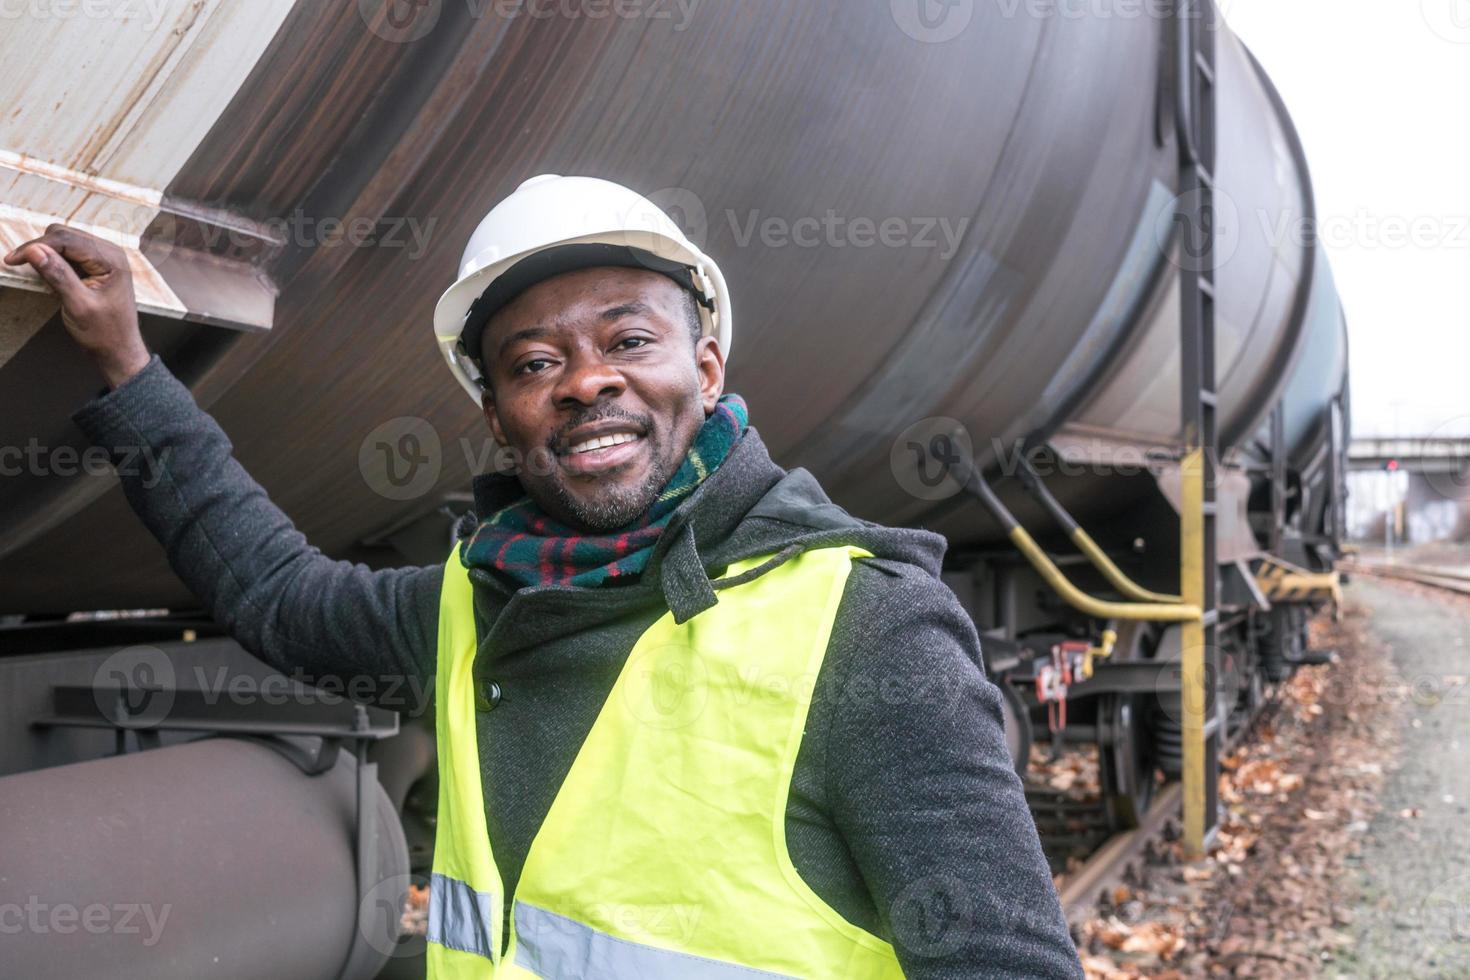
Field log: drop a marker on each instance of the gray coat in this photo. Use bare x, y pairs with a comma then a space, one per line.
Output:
904, 814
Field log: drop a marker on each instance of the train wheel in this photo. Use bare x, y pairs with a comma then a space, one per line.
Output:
1125, 751
1018, 725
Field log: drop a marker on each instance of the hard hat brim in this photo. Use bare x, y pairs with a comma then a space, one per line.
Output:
548, 263
455, 303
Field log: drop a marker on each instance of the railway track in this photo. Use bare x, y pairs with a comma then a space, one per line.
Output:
1088, 887
1117, 858
1120, 857
1449, 579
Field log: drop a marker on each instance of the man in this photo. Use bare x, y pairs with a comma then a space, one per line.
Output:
694, 720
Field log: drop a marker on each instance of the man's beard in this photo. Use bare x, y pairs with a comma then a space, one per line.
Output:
614, 507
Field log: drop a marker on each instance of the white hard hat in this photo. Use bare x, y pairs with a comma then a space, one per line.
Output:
553, 224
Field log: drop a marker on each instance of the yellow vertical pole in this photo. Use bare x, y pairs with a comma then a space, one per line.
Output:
1196, 125
1193, 692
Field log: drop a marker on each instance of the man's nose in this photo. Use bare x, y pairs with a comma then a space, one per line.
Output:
588, 379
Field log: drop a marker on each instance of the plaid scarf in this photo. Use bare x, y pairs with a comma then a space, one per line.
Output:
524, 543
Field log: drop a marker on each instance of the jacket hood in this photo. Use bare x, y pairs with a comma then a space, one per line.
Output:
797, 511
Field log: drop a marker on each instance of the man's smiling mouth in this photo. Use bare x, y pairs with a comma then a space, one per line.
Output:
603, 442
601, 447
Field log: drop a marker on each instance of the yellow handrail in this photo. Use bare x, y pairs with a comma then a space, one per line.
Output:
1160, 612
1113, 573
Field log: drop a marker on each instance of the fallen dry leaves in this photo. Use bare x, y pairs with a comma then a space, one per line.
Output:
1270, 899
1073, 772
415, 921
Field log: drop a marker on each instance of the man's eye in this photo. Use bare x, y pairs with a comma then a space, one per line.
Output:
534, 366
628, 343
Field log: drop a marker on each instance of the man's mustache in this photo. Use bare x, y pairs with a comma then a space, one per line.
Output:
644, 423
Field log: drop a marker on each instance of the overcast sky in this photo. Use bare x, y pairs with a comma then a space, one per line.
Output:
1380, 91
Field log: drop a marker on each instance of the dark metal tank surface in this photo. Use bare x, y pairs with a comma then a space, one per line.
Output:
1023, 168
216, 858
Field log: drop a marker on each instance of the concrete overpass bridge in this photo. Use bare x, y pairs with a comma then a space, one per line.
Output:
1412, 454
1436, 502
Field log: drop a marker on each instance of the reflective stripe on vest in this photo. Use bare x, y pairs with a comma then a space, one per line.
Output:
664, 853
460, 917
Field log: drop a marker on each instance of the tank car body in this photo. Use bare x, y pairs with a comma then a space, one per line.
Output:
967, 229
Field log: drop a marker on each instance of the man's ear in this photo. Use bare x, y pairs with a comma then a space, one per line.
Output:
487, 405
709, 361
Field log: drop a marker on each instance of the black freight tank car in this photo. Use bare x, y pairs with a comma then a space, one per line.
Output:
294, 182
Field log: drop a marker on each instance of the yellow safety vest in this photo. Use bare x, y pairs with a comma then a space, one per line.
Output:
663, 856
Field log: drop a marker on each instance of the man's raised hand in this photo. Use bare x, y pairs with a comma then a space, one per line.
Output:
92, 278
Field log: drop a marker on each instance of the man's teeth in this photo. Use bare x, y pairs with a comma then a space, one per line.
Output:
603, 442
